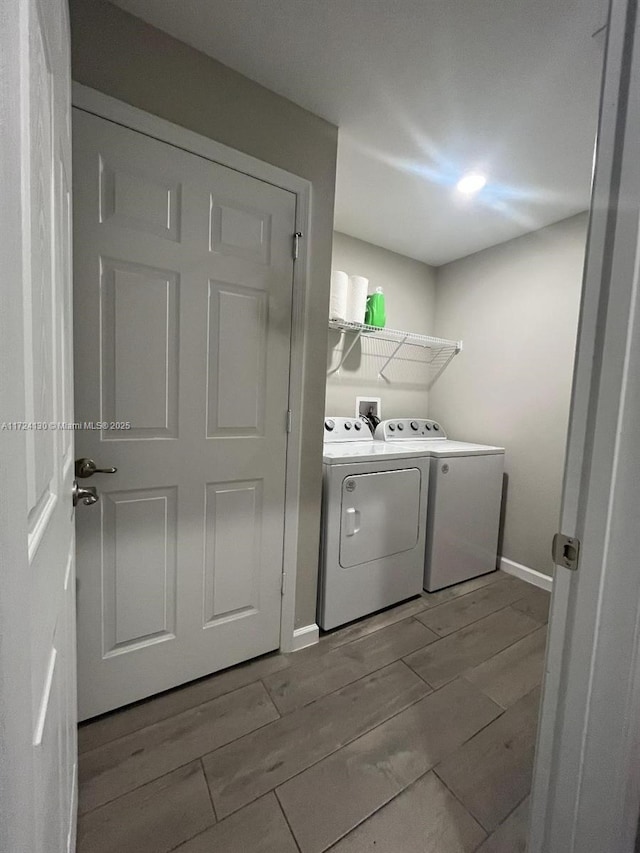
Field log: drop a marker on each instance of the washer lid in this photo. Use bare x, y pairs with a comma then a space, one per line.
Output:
445, 447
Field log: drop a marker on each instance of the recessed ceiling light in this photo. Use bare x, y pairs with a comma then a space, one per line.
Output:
471, 183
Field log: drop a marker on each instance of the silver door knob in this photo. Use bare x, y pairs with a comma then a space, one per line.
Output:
87, 468
87, 494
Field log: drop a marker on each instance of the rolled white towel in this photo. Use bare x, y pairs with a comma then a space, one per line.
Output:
338, 298
357, 299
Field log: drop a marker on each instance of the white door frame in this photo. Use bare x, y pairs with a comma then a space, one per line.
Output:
586, 793
104, 106
16, 745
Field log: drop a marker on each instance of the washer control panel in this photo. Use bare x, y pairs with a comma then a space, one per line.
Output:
408, 428
346, 429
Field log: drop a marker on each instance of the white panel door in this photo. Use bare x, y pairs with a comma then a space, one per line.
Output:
183, 289
37, 478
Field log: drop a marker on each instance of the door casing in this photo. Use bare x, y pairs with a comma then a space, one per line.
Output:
104, 106
586, 788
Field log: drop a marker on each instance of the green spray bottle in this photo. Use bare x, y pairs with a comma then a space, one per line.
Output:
375, 314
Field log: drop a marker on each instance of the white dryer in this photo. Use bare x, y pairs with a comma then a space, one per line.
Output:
374, 512
465, 495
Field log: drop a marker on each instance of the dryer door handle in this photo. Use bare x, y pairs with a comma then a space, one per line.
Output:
352, 521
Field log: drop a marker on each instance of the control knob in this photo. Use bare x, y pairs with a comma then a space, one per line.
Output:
329, 425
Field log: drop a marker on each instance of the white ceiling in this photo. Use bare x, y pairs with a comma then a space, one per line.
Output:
423, 90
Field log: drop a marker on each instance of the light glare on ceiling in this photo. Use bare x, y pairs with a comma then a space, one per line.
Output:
471, 183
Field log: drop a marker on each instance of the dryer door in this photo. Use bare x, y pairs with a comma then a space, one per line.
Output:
380, 515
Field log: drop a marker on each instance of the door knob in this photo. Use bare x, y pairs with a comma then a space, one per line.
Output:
87, 468
87, 494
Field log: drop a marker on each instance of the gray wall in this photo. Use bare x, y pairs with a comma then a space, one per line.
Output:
126, 58
516, 308
410, 293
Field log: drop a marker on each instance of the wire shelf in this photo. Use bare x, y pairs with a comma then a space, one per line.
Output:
396, 347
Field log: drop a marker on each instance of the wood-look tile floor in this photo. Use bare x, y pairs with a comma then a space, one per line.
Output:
411, 731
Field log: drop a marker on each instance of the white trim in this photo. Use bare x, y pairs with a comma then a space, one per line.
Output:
104, 106
299, 320
306, 636
586, 789
532, 576
73, 811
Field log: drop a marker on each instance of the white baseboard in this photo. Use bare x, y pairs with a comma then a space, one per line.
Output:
308, 635
532, 576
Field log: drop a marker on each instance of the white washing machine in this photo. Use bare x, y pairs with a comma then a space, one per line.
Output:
374, 512
465, 494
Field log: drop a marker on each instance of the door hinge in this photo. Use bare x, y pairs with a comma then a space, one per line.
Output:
566, 551
289, 420
296, 244
283, 583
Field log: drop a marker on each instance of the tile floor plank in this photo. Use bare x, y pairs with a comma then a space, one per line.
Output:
514, 672
433, 599
491, 773
348, 765
364, 627
259, 762
299, 685
535, 603
135, 717
512, 835
425, 818
257, 828
450, 656
329, 799
152, 819
525, 586
122, 765
462, 611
